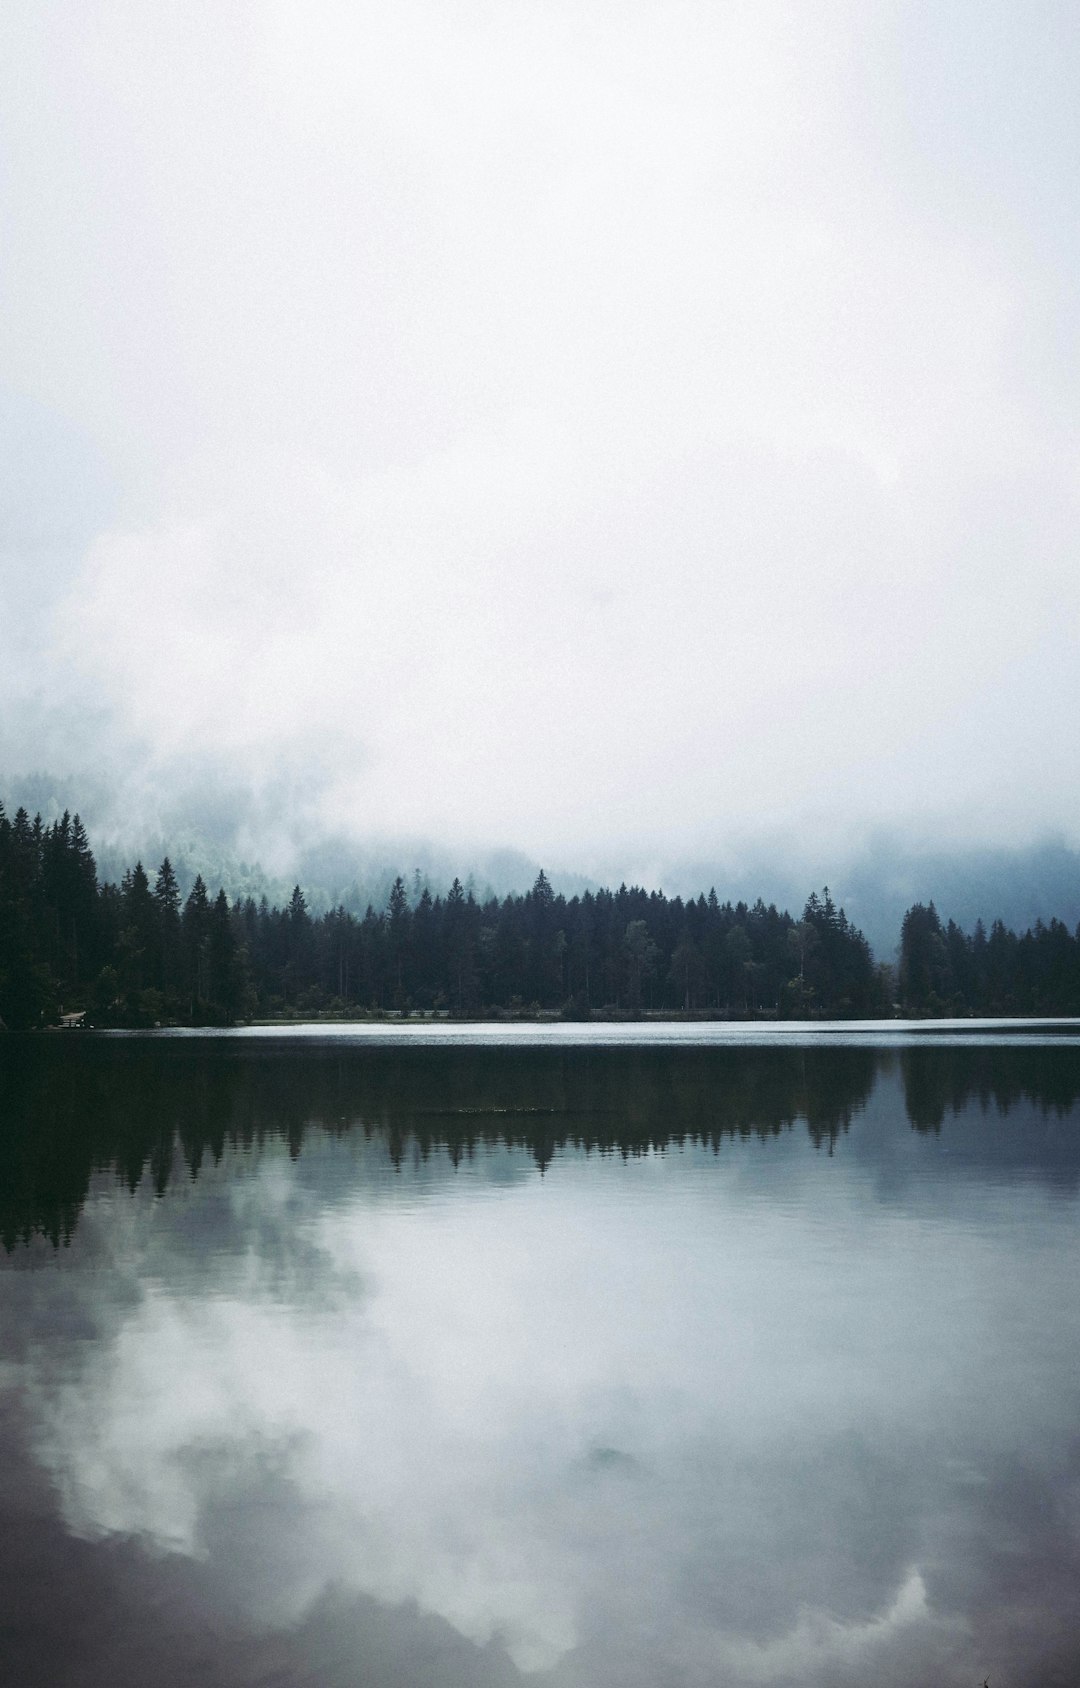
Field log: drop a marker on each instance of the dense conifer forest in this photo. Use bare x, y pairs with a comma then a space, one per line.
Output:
138, 954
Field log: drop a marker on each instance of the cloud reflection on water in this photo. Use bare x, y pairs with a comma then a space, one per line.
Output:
673, 1421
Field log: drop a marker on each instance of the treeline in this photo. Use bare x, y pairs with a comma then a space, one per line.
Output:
944, 970
137, 954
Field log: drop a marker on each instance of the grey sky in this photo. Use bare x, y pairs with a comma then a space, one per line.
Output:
586, 428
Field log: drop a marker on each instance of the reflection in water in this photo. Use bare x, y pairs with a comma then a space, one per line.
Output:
141, 1106
942, 1081
368, 1400
163, 1107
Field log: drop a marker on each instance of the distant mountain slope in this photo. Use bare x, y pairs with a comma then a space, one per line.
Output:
1019, 887
331, 870
875, 887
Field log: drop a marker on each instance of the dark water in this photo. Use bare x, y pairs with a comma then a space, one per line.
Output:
333, 1362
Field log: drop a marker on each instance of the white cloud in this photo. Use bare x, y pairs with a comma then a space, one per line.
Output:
563, 427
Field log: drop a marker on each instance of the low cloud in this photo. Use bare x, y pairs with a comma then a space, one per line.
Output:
599, 435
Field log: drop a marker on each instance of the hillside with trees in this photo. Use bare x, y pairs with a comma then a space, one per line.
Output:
137, 953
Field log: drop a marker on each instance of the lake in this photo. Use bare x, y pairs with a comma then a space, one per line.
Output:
569, 1357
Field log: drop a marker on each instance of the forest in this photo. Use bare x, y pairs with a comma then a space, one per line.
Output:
139, 954
944, 970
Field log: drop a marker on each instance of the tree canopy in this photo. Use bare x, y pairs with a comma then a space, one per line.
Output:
138, 954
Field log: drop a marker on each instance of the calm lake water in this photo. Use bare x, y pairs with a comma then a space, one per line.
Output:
570, 1357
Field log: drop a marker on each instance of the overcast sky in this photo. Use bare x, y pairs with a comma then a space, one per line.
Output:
582, 427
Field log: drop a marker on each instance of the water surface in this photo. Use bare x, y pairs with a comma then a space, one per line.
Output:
448, 1359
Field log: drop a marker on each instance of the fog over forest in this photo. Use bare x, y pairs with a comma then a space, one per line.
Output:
635, 441
239, 845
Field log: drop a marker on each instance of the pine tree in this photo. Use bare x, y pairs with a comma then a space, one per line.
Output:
398, 937
167, 903
225, 983
195, 926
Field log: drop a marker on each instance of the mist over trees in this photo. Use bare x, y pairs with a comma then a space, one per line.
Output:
137, 953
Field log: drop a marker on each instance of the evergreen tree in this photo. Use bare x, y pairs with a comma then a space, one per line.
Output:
924, 973
195, 931
167, 902
639, 961
225, 987
398, 938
